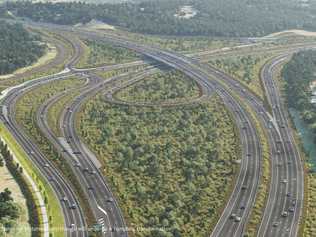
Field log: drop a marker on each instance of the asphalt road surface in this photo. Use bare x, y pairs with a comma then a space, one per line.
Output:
286, 188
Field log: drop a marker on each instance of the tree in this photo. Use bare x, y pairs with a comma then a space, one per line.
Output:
1, 161
9, 209
5, 196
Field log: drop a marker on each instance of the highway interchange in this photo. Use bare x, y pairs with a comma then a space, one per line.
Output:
287, 186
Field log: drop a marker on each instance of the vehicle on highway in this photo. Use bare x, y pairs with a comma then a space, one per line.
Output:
72, 226
46, 165
291, 209
77, 164
73, 206
110, 199
31, 153
92, 172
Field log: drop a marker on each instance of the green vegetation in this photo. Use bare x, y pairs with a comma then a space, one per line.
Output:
55, 111
310, 215
244, 68
54, 210
258, 208
100, 53
213, 17
9, 211
52, 62
161, 87
184, 44
18, 47
26, 218
28, 104
171, 169
26, 109
298, 74
1, 161
8, 181
263, 190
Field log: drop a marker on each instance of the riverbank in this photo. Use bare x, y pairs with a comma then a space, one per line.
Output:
307, 138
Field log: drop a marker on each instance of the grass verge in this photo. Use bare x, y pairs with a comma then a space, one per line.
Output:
53, 207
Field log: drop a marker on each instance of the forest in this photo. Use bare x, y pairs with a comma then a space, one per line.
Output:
245, 68
298, 74
214, 17
100, 53
170, 86
170, 168
18, 48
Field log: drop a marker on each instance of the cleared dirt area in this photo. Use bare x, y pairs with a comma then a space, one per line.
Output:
98, 25
293, 31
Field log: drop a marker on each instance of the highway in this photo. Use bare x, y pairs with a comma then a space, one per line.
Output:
275, 135
248, 179
287, 173
204, 94
90, 181
101, 200
85, 165
74, 218
251, 153
53, 176
249, 175
98, 193
290, 199
62, 55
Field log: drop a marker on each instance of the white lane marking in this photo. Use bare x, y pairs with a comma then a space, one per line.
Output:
108, 220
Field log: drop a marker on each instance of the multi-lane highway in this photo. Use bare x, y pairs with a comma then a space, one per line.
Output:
276, 137
72, 211
97, 193
284, 205
286, 199
85, 164
242, 199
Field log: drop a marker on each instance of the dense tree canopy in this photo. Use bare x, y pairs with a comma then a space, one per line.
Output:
214, 17
164, 86
18, 48
9, 210
298, 74
170, 167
